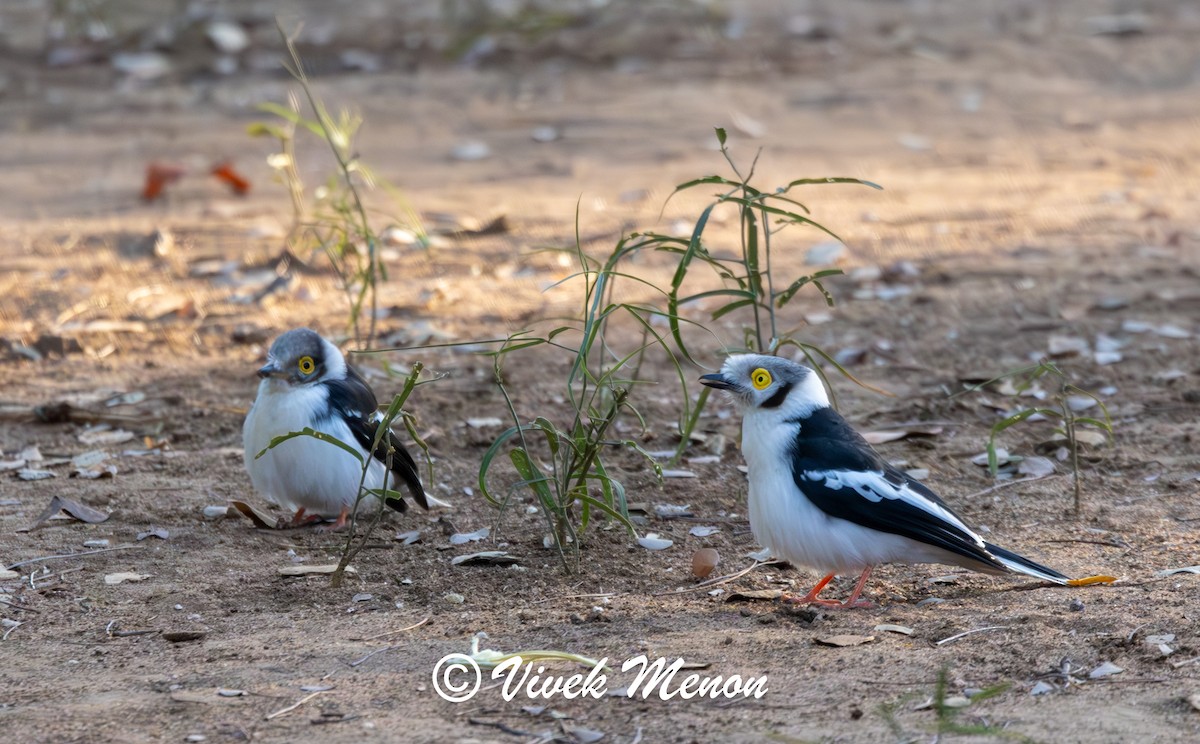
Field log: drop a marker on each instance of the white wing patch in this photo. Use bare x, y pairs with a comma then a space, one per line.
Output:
872, 486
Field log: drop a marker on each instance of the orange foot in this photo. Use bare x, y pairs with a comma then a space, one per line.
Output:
338, 524
300, 519
852, 602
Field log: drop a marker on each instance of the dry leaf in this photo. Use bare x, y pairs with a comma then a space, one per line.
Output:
1107, 669
703, 531
486, 558
461, 538
889, 628
303, 570
653, 542
261, 520
755, 594
1173, 571
29, 474
841, 641
121, 578
71, 507
105, 436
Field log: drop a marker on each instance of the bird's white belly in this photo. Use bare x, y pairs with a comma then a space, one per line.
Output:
303, 472
795, 529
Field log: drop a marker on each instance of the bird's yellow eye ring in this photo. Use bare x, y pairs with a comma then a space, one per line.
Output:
306, 365
760, 378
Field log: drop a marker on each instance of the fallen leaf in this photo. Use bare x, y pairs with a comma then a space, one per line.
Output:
1107, 669
1173, 571
653, 542
408, 538
584, 735
120, 578
1036, 466
230, 693
668, 473
105, 436
1194, 700
486, 558
158, 532
1041, 688
755, 594
672, 510
261, 520
231, 178
841, 641
305, 570
71, 507
6, 575
889, 628
89, 459
108, 472
362, 597
29, 474
484, 423
703, 531
461, 538
11, 465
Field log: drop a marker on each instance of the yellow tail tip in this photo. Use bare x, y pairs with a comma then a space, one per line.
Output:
1090, 580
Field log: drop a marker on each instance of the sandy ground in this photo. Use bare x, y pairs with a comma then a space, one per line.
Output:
1039, 178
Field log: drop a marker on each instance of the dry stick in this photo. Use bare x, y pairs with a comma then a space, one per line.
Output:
718, 581
414, 626
377, 651
297, 704
6, 603
577, 596
1006, 484
73, 555
956, 636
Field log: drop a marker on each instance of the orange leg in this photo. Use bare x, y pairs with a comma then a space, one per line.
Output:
852, 602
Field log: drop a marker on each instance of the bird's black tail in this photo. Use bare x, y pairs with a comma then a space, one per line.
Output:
1023, 565
404, 469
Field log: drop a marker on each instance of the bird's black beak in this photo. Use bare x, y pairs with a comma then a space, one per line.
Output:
270, 369
717, 381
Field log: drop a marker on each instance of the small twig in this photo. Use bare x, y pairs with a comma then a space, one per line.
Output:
295, 705
1185, 662
577, 596
414, 626
1093, 542
956, 636
10, 630
377, 651
127, 633
73, 555
5, 602
499, 725
717, 581
1006, 484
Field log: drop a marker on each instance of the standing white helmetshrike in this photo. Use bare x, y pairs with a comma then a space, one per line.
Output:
821, 497
306, 382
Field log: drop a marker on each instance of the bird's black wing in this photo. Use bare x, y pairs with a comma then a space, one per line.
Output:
354, 401
845, 478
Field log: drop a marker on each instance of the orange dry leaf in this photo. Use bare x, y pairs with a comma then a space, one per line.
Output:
226, 174
158, 177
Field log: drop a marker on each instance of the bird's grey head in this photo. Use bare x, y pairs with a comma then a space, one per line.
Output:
761, 382
302, 357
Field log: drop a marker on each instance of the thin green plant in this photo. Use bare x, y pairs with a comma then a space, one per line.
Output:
749, 281
572, 481
947, 712
341, 227
1069, 422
